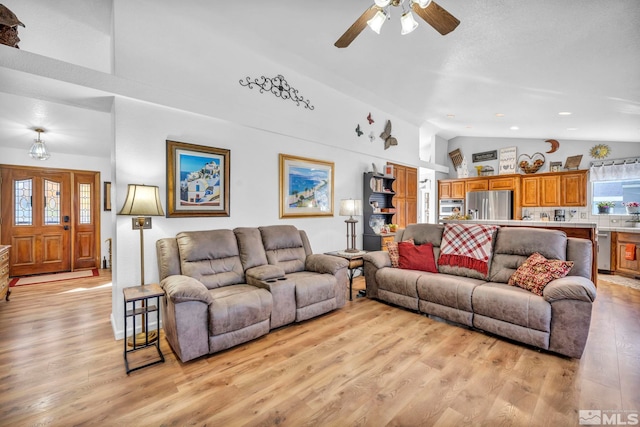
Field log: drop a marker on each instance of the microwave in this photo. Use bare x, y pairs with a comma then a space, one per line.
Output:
450, 207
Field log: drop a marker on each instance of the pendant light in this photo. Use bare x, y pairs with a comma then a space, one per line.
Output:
38, 150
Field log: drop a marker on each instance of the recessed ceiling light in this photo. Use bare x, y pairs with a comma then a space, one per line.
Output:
450, 116
499, 114
514, 128
564, 113
572, 128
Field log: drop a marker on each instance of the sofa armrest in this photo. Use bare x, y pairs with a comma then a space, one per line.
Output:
570, 287
263, 272
180, 288
326, 264
379, 259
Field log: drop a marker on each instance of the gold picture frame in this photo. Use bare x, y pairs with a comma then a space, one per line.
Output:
107, 196
306, 187
197, 180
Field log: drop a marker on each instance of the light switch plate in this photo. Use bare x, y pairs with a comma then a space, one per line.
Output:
583, 215
147, 223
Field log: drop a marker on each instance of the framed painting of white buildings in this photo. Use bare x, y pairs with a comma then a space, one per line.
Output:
197, 180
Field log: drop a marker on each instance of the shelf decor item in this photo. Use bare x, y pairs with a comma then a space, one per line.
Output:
531, 164
197, 180
605, 207
306, 187
632, 207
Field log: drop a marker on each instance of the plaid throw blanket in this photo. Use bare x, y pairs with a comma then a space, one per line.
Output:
467, 245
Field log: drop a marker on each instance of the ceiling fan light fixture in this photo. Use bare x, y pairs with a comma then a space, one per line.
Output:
38, 150
422, 3
377, 21
382, 3
408, 23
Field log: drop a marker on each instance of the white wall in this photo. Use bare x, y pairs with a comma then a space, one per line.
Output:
254, 126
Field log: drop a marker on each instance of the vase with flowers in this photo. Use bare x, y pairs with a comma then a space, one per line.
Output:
605, 207
632, 207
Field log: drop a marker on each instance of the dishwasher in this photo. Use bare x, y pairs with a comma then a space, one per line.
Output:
604, 251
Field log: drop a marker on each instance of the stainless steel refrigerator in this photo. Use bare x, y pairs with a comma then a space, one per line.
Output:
495, 205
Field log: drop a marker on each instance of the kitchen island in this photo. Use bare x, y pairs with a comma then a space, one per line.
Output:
583, 230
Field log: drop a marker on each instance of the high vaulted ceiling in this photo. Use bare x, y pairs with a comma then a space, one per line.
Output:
525, 59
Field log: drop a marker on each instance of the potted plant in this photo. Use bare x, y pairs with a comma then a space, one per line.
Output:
605, 207
632, 207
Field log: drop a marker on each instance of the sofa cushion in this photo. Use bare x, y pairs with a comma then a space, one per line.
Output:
514, 245
512, 305
466, 249
284, 247
236, 307
412, 257
537, 271
451, 291
312, 288
250, 247
398, 281
214, 265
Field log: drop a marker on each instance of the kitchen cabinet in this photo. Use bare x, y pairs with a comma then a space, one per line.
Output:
554, 189
449, 189
504, 183
481, 184
623, 266
573, 189
406, 197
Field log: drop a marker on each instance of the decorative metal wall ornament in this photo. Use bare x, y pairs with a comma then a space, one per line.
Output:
279, 87
9, 27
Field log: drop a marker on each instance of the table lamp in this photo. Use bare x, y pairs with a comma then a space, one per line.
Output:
351, 208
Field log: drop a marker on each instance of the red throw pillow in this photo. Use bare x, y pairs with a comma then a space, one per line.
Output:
392, 248
414, 257
537, 271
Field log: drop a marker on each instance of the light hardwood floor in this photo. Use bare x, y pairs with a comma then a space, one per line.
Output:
367, 364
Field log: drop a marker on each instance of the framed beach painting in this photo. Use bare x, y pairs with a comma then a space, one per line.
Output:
306, 187
197, 180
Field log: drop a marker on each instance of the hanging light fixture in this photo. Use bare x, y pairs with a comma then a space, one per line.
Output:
408, 23
377, 21
38, 150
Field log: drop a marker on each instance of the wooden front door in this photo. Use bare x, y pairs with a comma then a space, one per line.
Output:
42, 216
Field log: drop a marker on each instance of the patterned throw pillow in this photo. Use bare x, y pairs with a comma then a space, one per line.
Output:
392, 248
537, 271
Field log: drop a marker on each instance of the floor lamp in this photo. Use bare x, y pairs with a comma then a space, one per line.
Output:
142, 201
351, 208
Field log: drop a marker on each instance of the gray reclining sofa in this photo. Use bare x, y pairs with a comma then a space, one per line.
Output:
557, 321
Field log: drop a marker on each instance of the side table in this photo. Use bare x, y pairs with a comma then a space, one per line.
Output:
355, 263
139, 297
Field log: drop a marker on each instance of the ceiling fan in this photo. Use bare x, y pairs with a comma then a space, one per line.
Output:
378, 13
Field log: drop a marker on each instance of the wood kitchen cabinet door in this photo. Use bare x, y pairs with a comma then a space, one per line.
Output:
477, 185
549, 190
574, 190
530, 196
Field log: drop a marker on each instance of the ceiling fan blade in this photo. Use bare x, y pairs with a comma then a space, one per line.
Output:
437, 17
356, 28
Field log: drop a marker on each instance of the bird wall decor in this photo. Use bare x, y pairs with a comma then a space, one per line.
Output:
388, 139
359, 131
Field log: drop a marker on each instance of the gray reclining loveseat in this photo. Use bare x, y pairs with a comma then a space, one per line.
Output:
227, 287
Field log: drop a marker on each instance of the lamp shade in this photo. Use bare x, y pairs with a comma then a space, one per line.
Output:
408, 23
350, 207
142, 200
377, 21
